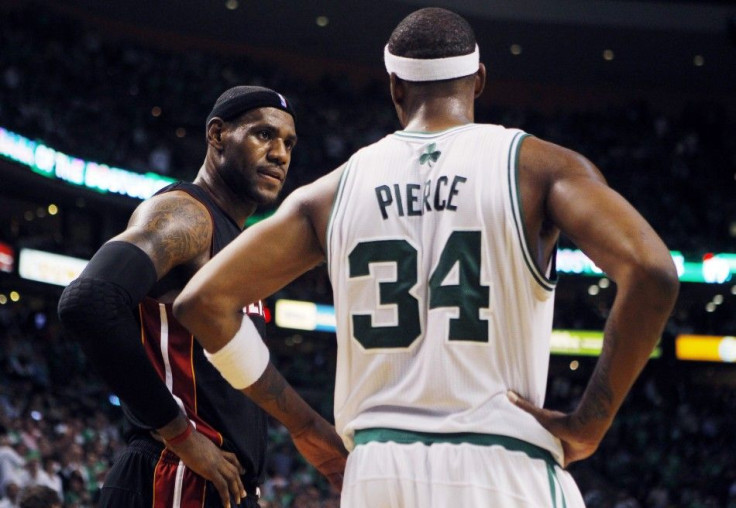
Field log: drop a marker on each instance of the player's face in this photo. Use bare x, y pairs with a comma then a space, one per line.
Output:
257, 154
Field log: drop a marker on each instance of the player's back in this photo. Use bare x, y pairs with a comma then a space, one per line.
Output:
440, 307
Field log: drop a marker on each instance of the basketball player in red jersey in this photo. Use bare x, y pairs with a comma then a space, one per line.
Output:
194, 441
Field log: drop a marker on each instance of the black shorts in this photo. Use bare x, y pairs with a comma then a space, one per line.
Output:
145, 471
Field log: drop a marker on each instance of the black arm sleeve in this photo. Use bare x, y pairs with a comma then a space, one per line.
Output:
98, 310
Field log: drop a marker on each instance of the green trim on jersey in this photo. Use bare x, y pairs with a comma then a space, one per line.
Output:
429, 135
518, 212
385, 435
335, 205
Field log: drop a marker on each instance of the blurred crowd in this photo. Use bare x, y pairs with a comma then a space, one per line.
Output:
61, 428
671, 445
132, 105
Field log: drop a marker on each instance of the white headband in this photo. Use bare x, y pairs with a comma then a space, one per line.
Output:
431, 69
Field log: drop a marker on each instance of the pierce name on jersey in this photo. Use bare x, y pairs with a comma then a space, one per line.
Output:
408, 199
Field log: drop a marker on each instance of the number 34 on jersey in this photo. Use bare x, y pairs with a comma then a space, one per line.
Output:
455, 283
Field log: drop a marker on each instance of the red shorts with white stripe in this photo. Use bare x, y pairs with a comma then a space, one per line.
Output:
147, 475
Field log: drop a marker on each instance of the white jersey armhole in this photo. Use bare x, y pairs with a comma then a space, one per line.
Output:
547, 280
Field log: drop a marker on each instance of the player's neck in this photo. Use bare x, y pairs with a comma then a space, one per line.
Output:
237, 209
438, 114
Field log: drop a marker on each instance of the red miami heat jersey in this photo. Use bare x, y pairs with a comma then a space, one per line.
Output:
218, 411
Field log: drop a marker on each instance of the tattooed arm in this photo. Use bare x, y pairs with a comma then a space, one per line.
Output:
99, 310
562, 191
313, 436
172, 229
263, 259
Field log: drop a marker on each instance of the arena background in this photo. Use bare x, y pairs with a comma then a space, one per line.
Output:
94, 95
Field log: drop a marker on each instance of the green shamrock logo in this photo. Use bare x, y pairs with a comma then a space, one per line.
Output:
431, 155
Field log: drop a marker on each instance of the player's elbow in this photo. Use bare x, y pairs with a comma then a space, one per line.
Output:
669, 283
194, 306
90, 308
186, 306
72, 308
657, 278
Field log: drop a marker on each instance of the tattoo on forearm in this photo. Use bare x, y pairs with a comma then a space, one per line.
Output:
272, 389
598, 397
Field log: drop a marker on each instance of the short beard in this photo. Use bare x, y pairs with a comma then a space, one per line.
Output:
246, 189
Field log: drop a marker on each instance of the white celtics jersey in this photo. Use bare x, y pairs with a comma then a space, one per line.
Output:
440, 309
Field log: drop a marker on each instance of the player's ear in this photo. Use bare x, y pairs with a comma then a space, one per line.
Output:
214, 132
398, 96
398, 90
480, 80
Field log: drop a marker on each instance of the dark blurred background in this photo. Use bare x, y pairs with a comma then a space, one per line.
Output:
645, 89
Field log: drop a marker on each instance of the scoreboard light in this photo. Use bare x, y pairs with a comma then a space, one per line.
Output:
300, 315
48, 267
7, 258
706, 348
51, 163
583, 343
712, 268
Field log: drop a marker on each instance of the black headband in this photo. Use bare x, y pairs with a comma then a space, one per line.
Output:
231, 105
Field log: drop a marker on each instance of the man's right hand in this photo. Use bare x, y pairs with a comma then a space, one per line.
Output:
206, 459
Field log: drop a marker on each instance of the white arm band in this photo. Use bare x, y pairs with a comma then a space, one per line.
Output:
244, 359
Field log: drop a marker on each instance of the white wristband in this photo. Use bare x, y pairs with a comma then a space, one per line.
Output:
244, 359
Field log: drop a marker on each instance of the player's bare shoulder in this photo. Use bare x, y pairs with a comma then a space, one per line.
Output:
543, 161
172, 228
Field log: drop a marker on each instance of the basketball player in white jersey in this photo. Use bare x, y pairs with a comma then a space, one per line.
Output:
439, 240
